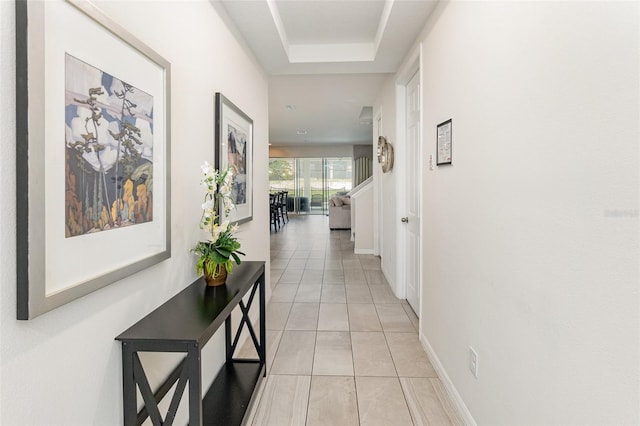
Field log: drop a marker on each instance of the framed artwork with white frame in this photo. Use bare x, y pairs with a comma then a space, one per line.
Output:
92, 154
234, 151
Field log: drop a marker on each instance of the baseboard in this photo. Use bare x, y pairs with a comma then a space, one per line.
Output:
363, 251
456, 399
390, 280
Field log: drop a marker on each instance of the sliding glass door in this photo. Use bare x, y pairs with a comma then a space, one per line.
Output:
310, 185
338, 176
310, 182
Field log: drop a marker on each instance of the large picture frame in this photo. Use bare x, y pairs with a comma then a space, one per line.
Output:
92, 154
234, 150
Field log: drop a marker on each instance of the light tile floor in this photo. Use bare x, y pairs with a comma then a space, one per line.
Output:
341, 349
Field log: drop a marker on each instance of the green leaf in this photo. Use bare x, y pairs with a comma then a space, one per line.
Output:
224, 252
200, 265
217, 258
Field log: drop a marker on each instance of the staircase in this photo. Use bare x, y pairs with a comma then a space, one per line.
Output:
361, 217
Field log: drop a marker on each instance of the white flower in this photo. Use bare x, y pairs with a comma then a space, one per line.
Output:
215, 232
228, 179
225, 190
207, 205
218, 187
206, 168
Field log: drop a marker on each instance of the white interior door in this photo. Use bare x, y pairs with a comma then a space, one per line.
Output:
412, 215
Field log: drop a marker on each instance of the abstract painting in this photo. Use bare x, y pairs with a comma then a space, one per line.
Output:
109, 151
237, 160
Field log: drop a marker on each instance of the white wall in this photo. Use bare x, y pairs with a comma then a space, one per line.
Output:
7, 173
385, 183
64, 367
362, 219
531, 237
310, 151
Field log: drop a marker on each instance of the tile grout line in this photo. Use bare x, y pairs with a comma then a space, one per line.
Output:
384, 333
339, 244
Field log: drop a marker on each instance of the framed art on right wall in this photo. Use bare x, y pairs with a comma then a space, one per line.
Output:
444, 138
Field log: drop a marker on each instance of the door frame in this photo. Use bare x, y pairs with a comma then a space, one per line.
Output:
377, 193
413, 66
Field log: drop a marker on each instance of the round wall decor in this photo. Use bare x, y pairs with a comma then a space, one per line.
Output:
386, 157
381, 142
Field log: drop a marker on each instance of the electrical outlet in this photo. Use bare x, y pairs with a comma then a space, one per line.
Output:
473, 362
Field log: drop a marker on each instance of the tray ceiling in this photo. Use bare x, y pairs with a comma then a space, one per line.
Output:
325, 39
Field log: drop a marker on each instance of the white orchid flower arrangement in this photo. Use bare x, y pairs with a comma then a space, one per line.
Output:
222, 247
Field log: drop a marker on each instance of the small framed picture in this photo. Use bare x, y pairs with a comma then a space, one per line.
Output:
443, 150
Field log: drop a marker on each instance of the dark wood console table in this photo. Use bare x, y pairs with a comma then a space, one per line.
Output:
185, 323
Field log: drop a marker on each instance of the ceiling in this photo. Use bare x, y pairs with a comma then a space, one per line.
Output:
326, 60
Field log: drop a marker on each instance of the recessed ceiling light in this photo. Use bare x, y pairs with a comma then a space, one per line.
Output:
290, 107
301, 132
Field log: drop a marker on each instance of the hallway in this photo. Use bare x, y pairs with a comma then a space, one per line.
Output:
342, 350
